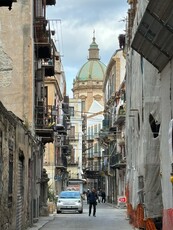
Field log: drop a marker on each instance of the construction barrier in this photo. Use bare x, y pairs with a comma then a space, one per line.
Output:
140, 223
168, 219
150, 225
136, 218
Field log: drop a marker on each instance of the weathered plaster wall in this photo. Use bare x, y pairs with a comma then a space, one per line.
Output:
143, 87
16, 57
166, 96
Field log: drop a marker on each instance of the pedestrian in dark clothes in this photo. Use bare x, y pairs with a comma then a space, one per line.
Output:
92, 198
87, 193
103, 197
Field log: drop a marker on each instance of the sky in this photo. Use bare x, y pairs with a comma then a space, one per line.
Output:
74, 22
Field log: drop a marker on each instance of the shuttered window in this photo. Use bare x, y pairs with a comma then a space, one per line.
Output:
72, 132
10, 173
71, 111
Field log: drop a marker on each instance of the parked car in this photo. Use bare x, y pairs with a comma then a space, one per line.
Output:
70, 201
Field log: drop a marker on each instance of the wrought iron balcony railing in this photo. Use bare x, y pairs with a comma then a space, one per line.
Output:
50, 2
49, 66
117, 161
42, 38
5, 3
44, 117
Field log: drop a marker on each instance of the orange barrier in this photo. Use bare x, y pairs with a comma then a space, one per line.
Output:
127, 193
140, 216
150, 225
136, 217
167, 219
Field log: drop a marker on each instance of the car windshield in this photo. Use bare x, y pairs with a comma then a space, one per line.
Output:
69, 194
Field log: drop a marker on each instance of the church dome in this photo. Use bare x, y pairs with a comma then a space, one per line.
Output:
93, 69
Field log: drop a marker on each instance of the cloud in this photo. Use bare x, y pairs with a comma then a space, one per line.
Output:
78, 20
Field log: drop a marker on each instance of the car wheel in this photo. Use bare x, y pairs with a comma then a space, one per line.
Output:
81, 211
58, 211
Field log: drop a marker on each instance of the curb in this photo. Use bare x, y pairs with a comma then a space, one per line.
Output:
42, 221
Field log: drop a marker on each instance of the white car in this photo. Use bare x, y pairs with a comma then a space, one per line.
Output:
70, 201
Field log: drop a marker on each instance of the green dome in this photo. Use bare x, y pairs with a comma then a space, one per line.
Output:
92, 70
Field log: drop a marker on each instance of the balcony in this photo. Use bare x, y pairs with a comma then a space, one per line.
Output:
103, 141
153, 38
50, 2
120, 118
73, 136
117, 161
92, 174
42, 38
60, 129
106, 137
97, 155
67, 149
105, 123
65, 105
60, 166
61, 162
42, 123
49, 67
90, 157
111, 100
46, 135
7, 3
90, 137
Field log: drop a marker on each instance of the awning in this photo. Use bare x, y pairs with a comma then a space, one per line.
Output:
154, 36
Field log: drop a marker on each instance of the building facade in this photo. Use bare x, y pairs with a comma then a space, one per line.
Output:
27, 58
20, 173
55, 85
149, 114
75, 166
112, 135
87, 87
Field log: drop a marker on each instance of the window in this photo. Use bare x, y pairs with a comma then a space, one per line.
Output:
95, 130
92, 132
99, 150
96, 166
89, 132
72, 132
95, 148
71, 111
83, 106
10, 173
72, 156
155, 126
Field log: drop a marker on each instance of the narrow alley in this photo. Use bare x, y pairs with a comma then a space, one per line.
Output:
107, 217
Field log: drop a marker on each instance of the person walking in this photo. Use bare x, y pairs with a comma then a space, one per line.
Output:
99, 195
92, 198
87, 193
103, 197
